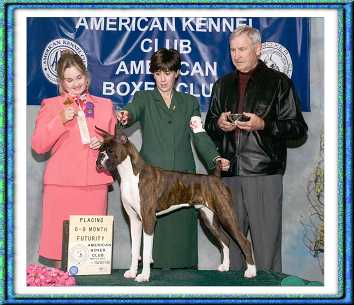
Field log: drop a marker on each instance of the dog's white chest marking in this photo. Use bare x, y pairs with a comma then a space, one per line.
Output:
129, 185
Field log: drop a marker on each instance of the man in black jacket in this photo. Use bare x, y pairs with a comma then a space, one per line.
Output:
255, 144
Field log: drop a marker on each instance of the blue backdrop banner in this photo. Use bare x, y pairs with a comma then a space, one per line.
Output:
117, 52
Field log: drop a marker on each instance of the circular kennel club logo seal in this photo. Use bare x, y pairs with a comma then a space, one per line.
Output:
276, 56
52, 53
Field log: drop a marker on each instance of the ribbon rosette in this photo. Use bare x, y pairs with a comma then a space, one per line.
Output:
89, 110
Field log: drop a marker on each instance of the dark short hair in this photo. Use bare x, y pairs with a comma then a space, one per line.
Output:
165, 60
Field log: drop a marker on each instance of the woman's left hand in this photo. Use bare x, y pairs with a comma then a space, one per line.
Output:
95, 143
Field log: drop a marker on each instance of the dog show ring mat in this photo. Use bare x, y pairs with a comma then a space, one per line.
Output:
191, 277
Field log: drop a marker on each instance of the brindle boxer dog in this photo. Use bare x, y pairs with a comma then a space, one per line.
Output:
148, 191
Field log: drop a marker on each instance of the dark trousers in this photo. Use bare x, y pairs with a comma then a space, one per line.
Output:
258, 205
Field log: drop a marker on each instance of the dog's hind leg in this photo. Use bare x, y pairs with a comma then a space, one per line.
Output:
230, 224
135, 234
212, 223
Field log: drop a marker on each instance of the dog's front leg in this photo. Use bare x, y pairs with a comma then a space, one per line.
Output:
147, 254
135, 233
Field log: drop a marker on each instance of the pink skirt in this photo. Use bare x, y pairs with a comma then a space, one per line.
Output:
59, 202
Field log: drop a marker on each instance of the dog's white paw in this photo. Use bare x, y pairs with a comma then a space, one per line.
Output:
250, 271
223, 267
142, 277
130, 274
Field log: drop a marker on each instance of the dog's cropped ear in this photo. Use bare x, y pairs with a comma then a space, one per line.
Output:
106, 136
119, 135
102, 131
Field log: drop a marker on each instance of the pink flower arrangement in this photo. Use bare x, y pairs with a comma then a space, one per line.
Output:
45, 276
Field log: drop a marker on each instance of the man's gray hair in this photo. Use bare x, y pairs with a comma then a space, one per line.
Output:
252, 33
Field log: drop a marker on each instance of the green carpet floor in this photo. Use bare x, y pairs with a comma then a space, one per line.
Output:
188, 277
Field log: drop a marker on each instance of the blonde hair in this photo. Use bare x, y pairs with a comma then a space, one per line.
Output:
252, 33
69, 59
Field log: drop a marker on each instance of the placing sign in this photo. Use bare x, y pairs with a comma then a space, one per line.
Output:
90, 244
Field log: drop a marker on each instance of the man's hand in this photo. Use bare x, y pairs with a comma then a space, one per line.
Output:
255, 123
224, 124
122, 116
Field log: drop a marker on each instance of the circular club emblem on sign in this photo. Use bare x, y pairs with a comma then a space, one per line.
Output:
277, 57
73, 270
52, 53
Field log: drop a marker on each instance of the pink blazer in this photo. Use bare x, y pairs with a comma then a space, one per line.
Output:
71, 163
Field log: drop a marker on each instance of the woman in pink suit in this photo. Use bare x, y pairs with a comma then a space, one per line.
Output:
65, 126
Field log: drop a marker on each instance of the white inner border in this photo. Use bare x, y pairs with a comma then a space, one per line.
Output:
331, 158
